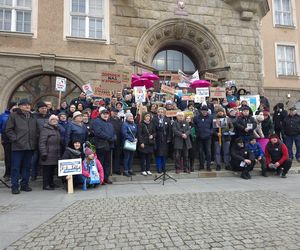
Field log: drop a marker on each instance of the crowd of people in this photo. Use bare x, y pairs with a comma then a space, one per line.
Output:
107, 134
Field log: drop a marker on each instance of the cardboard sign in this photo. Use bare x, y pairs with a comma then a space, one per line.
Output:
211, 77
175, 78
252, 100
187, 97
220, 123
126, 78
69, 167
88, 90
166, 89
217, 92
159, 97
172, 113
199, 99
202, 91
60, 84
140, 94
108, 78
104, 93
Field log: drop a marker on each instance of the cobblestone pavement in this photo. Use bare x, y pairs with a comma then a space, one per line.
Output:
220, 220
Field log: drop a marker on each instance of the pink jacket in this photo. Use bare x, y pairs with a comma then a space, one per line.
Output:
100, 170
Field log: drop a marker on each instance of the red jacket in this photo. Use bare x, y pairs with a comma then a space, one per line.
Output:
285, 155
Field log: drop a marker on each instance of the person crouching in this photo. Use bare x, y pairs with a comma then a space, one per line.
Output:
242, 159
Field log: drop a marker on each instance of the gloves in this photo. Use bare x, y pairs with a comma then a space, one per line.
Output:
44, 157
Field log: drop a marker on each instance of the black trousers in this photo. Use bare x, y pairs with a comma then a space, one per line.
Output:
145, 161
247, 168
285, 166
7, 158
116, 159
204, 151
48, 174
181, 154
105, 159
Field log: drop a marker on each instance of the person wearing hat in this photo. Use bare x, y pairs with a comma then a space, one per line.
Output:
117, 145
277, 156
50, 151
76, 129
5, 141
204, 130
291, 132
105, 136
63, 124
278, 117
245, 124
21, 130
242, 159
81, 99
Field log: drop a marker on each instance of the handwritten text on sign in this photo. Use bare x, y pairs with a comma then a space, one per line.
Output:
60, 84
217, 92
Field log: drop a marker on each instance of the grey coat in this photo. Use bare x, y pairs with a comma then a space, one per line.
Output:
180, 128
21, 130
49, 145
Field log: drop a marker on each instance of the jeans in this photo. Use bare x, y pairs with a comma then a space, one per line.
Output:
145, 160
7, 158
184, 153
204, 148
226, 152
105, 159
289, 141
21, 161
160, 163
128, 157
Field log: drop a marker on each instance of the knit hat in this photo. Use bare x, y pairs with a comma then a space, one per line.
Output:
103, 110
24, 102
76, 113
53, 117
88, 151
41, 105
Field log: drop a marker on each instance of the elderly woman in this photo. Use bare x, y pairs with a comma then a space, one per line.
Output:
50, 151
129, 133
163, 132
76, 129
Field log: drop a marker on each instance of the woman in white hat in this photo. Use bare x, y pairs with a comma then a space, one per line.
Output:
76, 129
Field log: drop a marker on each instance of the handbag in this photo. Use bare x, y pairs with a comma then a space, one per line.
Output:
128, 145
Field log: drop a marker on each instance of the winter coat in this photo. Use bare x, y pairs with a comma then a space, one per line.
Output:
291, 125
85, 170
278, 117
21, 130
240, 154
49, 145
71, 153
203, 126
117, 125
267, 127
3, 120
77, 131
41, 120
129, 131
104, 133
178, 129
225, 131
62, 127
163, 132
241, 124
277, 152
144, 131
256, 149
85, 103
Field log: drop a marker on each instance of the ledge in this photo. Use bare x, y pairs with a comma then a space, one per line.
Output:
280, 26
288, 77
82, 39
16, 34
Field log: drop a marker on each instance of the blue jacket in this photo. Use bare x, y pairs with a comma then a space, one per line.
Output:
256, 149
63, 126
203, 126
75, 131
104, 133
126, 135
3, 119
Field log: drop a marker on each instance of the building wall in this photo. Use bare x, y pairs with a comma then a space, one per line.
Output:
277, 88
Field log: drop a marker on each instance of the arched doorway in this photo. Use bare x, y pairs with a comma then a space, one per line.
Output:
42, 87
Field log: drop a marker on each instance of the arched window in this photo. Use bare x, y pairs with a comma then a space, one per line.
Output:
172, 60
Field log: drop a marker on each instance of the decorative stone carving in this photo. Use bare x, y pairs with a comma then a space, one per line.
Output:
158, 35
192, 33
179, 30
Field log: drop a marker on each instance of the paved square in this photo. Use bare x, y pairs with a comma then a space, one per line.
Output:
219, 220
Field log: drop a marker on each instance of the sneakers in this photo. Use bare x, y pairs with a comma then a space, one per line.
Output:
144, 173
15, 191
149, 173
26, 189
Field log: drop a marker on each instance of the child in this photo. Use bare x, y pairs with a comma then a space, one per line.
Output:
258, 152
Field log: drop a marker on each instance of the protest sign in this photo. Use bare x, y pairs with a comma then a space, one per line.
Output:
172, 113
202, 91
217, 92
166, 89
165, 73
126, 78
88, 90
220, 123
60, 84
108, 77
69, 167
211, 77
104, 93
188, 97
140, 94
199, 99
175, 78
252, 100
159, 97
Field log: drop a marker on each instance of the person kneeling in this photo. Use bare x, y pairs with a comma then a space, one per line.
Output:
92, 170
259, 155
277, 156
242, 159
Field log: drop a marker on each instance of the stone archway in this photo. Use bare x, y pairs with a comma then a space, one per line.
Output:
192, 36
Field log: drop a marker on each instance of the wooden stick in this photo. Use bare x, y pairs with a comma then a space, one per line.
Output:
59, 100
70, 184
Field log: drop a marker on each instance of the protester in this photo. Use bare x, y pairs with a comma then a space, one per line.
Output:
76, 129
63, 124
193, 152
70, 112
50, 151
245, 124
267, 124
81, 99
21, 130
278, 117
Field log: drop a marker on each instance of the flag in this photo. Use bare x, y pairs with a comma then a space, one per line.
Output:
195, 76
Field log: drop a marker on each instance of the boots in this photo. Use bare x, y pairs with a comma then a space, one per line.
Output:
264, 173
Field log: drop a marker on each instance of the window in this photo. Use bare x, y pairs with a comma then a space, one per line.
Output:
16, 15
283, 12
172, 60
286, 60
87, 19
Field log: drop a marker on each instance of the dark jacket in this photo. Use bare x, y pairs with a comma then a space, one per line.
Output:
278, 117
240, 154
203, 126
144, 131
104, 134
277, 152
117, 125
267, 127
163, 132
41, 120
85, 103
71, 153
178, 129
129, 131
49, 145
3, 120
77, 131
241, 125
291, 125
63, 126
21, 129
225, 131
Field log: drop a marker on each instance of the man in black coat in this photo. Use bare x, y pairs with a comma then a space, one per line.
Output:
21, 129
117, 147
242, 159
278, 117
245, 124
